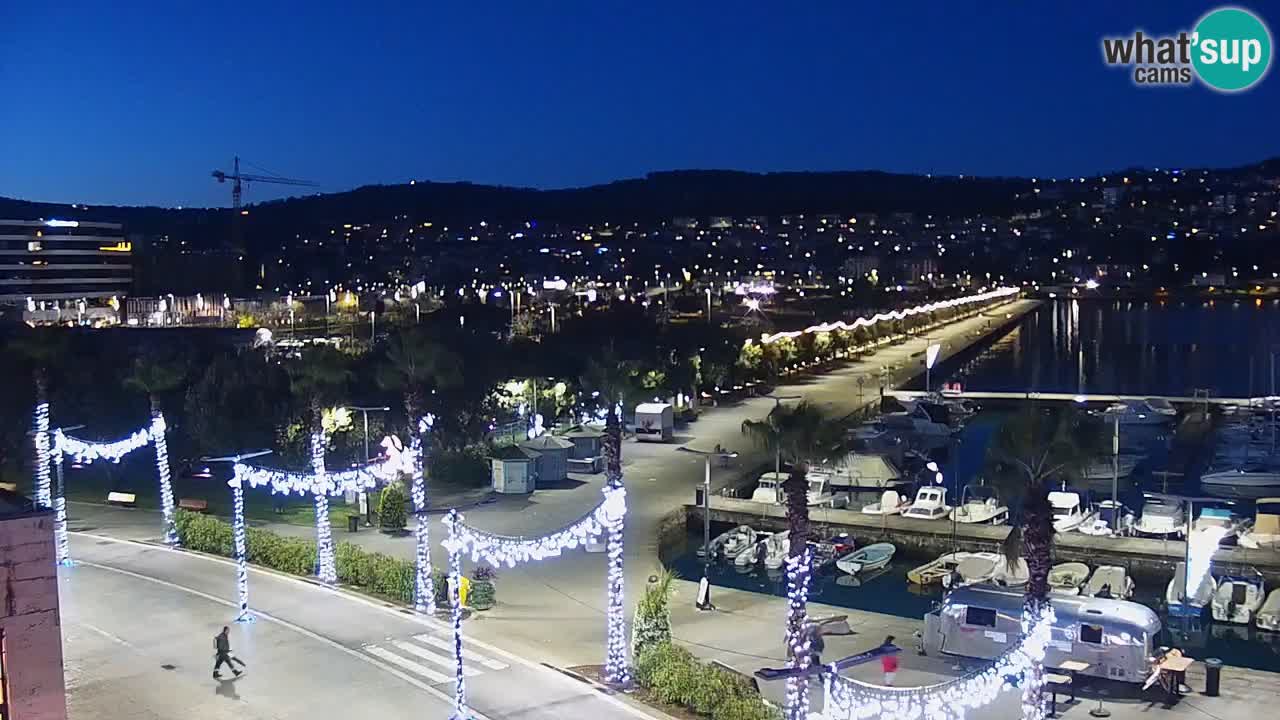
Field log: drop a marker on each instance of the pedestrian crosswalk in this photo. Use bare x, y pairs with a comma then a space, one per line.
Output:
430, 657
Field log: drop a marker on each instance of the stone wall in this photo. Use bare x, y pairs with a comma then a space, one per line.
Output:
30, 624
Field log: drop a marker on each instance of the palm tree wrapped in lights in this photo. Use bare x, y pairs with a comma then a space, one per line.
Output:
799, 434
1027, 453
415, 363
321, 375
156, 377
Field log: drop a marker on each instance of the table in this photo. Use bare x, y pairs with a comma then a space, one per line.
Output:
1054, 681
1075, 667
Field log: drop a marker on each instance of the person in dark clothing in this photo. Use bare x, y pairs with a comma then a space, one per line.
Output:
222, 653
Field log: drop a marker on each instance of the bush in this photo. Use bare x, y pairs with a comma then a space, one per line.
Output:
674, 676
373, 572
652, 623
460, 468
481, 596
393, 510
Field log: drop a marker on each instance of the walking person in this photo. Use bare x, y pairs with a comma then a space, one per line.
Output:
222, 653
889, 664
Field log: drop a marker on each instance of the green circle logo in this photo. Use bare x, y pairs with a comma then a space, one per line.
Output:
1232, 49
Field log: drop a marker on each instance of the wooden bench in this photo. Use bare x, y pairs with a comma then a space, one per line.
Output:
123, 499
1055, 684
193, 504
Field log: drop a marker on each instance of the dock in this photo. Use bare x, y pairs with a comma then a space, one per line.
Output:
1148, 558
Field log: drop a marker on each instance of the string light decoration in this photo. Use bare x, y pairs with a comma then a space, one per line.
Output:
616, 670
849, 699
424, 592
326, 569
40, 425
799, 642
996, 294
60, 518
241, 549
84, 451
497, 550
162, 469
452, 521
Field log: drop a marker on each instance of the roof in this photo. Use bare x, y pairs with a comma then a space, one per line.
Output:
1068, 607
652, 407
512, 453
584, 432
546, 442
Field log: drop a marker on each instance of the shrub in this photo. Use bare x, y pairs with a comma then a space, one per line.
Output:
460, 468
481, 596
675, 681
393, 511
374, 572
744, 708
652, 622
674, 676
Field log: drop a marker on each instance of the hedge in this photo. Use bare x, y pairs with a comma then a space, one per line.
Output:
674, 676
373, 572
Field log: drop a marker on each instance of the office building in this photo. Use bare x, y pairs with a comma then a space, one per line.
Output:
70, 268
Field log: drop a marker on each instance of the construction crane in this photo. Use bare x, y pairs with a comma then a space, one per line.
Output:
237, 179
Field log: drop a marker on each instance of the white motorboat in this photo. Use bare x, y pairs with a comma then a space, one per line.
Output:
1212, 517
1067, 578
916, 421
871, 557
930, 504
1110, 518
768, 488
1015, 575
890, 503
750, 557
1160, 406
1268, 616
1238, 598
1103, 469
862, 471
772, 550
1161, 516
973, 568
820, 493
1136, 412
1067, 511
1109, 581
980, 505
733, 543
1265, 532
1196, 598
1259, 474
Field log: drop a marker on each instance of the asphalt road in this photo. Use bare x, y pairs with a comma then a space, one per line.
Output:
138, 627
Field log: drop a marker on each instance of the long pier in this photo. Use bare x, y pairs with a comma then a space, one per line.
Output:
1090, 397
1149, 558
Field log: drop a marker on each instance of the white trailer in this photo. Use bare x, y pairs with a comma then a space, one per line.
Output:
655, 422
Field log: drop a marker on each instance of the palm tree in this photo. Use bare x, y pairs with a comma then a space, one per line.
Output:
1033, 450
156, 377
40, 349
414, 362
320, 375
801, 433
615, 382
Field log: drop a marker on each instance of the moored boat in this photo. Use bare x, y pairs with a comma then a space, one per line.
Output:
930, 504
1110, 518
1161, 516
980, 505
890, 503
1196, 598
1109, 581
871, 557
1067, 578
1237, 598
1011, 575
1265, 532
1268, 616
933, 572
733, 543
1067, 512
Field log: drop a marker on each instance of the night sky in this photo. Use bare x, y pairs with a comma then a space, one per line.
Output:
136, 102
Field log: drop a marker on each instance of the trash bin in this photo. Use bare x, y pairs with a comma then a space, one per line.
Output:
353, 523
1212, 676
698, 498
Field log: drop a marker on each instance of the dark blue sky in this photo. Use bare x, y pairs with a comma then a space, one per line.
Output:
136, 102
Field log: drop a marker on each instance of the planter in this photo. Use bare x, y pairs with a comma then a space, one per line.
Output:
482, 594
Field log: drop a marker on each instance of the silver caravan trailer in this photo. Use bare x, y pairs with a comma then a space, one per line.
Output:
1115, 637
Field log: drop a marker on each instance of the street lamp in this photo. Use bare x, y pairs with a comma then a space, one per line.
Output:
362, 496
704, 587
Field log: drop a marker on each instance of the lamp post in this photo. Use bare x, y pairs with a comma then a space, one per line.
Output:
363, 498
1115, 475
704, 587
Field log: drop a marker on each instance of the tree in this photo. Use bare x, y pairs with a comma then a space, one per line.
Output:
415, 363
652, 624
795, 490
797, 433
614, 380
1037, 448
156, 377
320, 376
40, 349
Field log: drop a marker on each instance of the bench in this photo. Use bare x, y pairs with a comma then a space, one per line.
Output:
123, 499
1055, 683
193, 504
